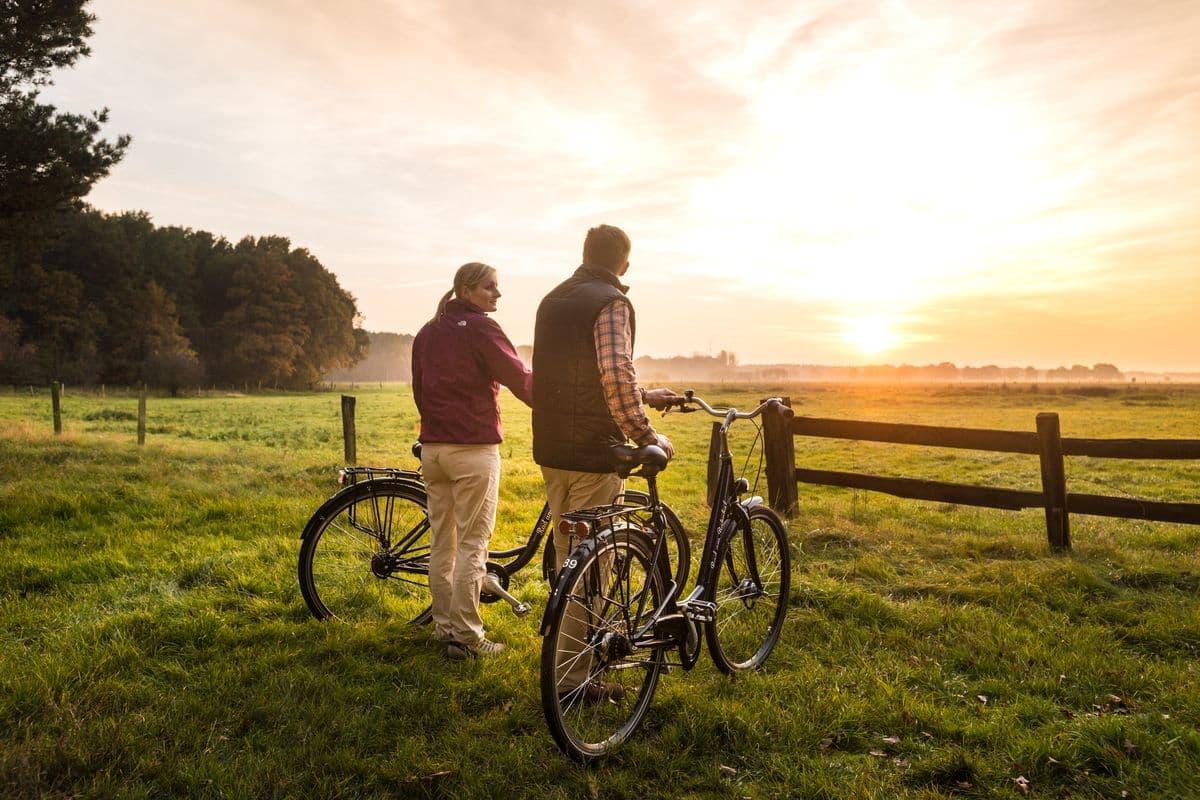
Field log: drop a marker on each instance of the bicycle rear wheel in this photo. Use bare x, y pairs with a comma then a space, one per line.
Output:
751, 593
596, 684
365, 554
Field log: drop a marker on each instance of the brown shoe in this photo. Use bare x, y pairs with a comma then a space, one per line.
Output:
595, 692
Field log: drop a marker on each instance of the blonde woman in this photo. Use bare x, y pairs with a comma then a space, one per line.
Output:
460, 358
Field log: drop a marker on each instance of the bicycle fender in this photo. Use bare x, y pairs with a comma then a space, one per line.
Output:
751, 502
324, 511
566, 573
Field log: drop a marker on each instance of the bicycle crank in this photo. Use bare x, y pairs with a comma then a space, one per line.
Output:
491, 583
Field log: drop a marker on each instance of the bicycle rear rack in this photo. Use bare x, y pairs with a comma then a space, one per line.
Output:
601, 513
348, 476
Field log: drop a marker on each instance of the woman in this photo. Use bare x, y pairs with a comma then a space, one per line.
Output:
459, 359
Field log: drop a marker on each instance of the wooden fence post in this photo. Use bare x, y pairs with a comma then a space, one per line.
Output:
780, 451
714, 460
56, 405
142, 415
1054, 482
348, 434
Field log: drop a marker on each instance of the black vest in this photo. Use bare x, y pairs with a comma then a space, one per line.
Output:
572, 428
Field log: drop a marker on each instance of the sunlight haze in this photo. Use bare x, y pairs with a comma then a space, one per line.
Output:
827, 182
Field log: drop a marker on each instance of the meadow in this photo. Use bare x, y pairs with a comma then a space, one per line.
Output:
153, 642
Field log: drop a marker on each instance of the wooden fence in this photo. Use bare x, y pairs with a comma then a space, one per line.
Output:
780, 429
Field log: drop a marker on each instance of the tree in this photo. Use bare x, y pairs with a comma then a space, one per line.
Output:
144, 341
47, 158
331, 318
60, 326
1107, 372
260, 338
17, 360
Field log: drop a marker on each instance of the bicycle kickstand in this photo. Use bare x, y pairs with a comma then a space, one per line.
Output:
492, 584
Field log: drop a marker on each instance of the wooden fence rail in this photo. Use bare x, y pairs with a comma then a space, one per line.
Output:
779, 432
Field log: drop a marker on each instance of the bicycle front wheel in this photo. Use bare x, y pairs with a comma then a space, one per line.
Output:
596, 681
365, 554
751, 593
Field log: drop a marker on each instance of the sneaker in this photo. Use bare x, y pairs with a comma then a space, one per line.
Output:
458, 651
595, 692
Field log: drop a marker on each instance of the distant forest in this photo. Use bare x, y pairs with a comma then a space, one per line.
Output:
115, 299
725, 366
389, 359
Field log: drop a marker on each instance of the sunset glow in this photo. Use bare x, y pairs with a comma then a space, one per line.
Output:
808, 180
870, 335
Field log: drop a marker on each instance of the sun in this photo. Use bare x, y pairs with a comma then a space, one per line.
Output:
870, 334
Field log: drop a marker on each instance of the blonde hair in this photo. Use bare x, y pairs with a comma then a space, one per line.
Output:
468, 276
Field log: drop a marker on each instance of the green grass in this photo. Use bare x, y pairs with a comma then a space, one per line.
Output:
153, 642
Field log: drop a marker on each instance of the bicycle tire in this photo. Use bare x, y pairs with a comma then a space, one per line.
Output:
681, 554
751, 592
365, 554
586, 726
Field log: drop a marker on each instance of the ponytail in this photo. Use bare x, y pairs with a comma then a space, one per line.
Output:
468, 276
441, 308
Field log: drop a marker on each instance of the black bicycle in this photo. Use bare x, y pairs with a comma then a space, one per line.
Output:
364, 554
615, 621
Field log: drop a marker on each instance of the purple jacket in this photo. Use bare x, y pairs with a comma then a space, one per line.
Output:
459, 361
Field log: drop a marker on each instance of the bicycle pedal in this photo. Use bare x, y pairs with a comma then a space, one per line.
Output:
699, 610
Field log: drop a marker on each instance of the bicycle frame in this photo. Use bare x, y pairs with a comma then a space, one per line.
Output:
399, 554
673, 622
522, 553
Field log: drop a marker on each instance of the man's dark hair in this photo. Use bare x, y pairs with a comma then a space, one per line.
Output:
606, 246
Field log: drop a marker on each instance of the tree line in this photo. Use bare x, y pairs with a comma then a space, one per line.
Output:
114, 298
725, 367
92, 297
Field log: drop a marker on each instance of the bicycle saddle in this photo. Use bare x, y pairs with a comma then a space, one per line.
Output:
416, 450
651, 458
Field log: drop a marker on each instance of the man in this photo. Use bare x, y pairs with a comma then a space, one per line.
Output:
585, 391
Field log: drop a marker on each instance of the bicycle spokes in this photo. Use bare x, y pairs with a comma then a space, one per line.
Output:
596, 679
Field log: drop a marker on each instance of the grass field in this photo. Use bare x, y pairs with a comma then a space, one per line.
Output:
153, 642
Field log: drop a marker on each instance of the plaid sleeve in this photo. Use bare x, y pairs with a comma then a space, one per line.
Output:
614, 355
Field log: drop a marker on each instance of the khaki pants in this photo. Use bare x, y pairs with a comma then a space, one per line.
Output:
462, 482
567, 490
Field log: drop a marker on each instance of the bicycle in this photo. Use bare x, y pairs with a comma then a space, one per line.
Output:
364, 554
614, 617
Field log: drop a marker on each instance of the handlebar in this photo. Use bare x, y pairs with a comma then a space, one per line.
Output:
689, 399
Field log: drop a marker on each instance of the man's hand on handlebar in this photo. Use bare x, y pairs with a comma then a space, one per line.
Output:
661, 399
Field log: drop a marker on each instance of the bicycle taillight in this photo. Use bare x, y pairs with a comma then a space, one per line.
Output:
574, 529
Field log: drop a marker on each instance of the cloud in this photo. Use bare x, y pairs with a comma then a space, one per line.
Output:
907, 158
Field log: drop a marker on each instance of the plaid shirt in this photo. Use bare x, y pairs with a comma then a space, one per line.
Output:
614, 356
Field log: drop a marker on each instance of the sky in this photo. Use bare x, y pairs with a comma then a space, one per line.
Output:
833, 181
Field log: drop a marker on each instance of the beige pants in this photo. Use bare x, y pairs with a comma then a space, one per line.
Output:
462, 482
567, 490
